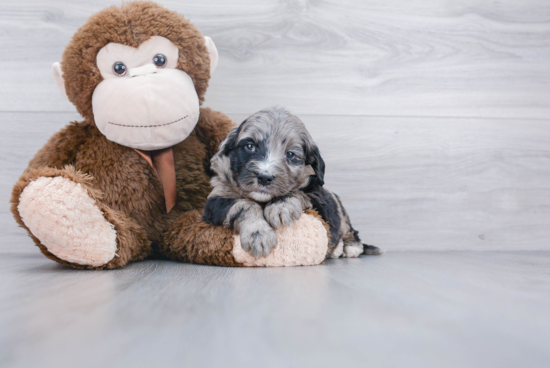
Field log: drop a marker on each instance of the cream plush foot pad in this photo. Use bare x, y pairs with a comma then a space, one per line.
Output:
295, 246
61, 214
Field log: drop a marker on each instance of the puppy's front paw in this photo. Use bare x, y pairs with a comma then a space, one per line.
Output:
283, 212
258, 238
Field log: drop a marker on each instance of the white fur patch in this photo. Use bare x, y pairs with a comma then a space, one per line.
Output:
338, 251
260, 197
66, 220
354, 250
266, 165
304, 243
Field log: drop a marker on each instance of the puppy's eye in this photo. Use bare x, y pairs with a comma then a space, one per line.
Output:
290, 155
250, 147
160, 60
119, 68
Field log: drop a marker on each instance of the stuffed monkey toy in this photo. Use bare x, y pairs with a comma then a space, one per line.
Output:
129, 181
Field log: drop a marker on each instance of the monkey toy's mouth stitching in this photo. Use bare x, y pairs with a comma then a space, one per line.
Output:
148, 126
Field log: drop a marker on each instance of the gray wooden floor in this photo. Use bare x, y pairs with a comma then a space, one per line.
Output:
403, 309
434, 120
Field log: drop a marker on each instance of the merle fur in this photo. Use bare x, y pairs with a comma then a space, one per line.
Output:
216, 209
238, 174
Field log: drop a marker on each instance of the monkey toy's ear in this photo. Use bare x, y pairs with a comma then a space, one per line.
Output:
213, 53
58, 75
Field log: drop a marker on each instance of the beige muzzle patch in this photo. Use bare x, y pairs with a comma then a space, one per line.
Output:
148, 107
149, 111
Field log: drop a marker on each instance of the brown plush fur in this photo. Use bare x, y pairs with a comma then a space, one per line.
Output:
124, 186
191, 240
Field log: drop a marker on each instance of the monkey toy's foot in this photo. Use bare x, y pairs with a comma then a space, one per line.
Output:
67, 221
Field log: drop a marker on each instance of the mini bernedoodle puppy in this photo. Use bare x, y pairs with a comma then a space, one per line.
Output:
267, 172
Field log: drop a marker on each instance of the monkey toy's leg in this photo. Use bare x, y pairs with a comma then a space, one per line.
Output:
189, 239
67, 220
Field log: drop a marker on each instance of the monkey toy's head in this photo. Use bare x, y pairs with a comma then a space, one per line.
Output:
139, 72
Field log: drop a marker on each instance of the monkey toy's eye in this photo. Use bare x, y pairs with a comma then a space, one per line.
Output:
119, 68
250, 147
290, 155
159, 60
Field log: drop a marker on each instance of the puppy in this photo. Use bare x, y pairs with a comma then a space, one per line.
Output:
267, 172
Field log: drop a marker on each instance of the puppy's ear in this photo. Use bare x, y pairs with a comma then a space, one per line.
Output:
313, 158
220, 161
229, 143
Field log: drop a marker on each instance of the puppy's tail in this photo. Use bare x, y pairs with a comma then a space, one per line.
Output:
371, 250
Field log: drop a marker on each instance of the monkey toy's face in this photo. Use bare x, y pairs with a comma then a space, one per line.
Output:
144, 102
140, 81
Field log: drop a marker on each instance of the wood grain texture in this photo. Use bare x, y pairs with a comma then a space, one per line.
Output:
442, 309
465, 58
432, 117
408, 183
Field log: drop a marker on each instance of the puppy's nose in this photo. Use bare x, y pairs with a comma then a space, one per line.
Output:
265, 179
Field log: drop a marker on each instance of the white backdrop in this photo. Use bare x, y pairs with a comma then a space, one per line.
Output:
432, 116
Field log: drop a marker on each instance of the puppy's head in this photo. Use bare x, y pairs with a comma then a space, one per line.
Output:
269, 155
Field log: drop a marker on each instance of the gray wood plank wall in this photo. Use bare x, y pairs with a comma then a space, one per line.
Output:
433, 116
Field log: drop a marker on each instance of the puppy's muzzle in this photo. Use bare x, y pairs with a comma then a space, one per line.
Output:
265, 179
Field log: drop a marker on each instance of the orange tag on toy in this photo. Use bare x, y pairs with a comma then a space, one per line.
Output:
162, 163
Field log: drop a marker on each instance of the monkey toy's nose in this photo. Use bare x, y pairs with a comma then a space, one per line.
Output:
142, 70
265, 179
